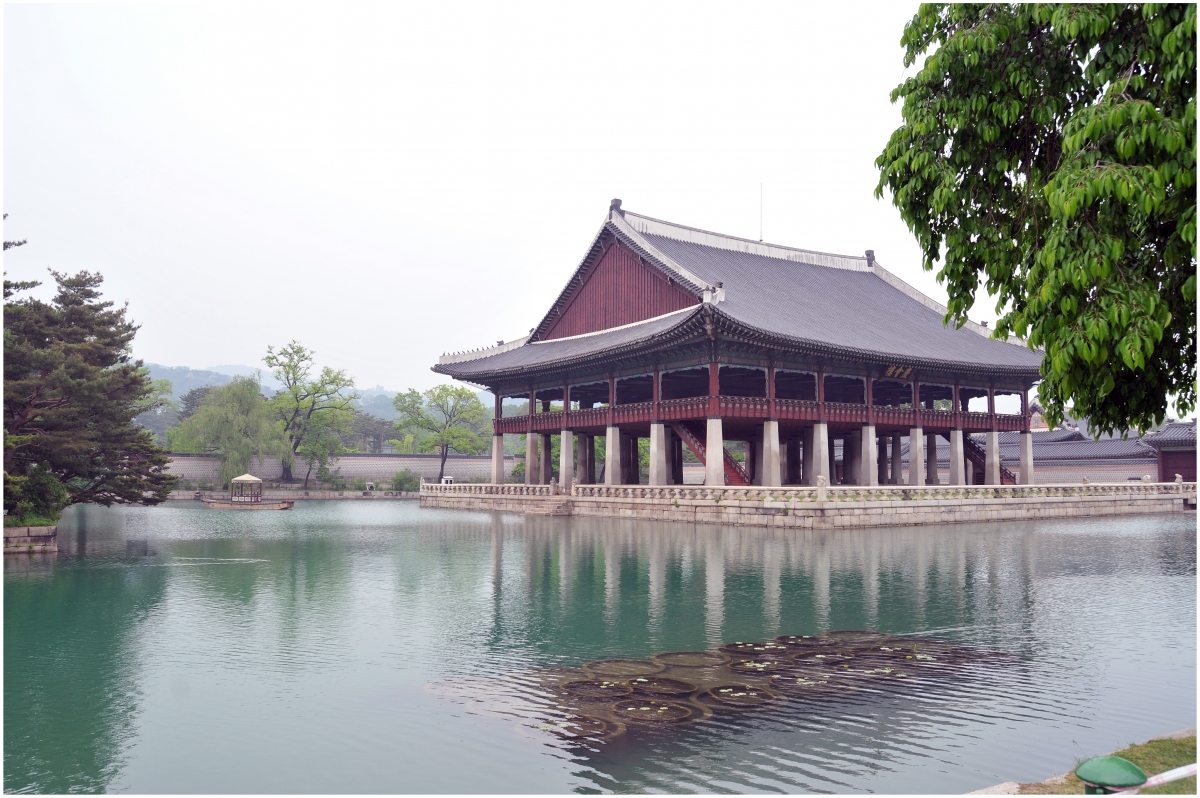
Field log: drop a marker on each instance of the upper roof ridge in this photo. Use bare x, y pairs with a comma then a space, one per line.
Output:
694, 235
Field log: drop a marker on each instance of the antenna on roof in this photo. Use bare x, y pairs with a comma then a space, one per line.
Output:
760, 236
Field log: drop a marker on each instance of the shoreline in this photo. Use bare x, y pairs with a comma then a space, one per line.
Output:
1062, 783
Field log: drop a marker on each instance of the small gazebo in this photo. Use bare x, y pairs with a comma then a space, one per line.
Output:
245, 489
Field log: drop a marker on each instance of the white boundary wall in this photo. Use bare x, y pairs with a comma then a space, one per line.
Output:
368, 467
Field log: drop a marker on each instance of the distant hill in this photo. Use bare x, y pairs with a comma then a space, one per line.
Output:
184, 379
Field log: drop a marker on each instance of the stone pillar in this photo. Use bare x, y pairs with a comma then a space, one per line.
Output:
676, 457
851, 458
897, 459
754, 459
958, 465
991, 470
498, 459
785, 463
772, 469
547, 459
566, 459
931, 460
916, 457
820, 462
868, 469
591, 459
831, 446
1027, 458
581, 454
612, 457
794, 463
881, 458
714, 454
659, 453
630, 473
533, 470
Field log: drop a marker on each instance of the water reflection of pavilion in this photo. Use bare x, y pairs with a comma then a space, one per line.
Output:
691, 338
611, 577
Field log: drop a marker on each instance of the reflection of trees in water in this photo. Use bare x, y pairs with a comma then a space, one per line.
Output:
71, 672
277, 605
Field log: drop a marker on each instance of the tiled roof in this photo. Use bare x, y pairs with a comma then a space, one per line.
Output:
1113, 449
841, 308
842, 305
1177, 434
544, 353
1044, 436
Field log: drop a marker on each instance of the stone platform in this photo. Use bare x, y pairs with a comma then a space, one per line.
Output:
821, 507
27, 539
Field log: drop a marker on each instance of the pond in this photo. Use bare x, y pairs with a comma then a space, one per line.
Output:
363, 646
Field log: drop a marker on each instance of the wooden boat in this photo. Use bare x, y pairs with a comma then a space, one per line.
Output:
221, 504
245, 493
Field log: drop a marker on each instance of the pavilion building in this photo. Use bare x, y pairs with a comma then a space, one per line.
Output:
691, 338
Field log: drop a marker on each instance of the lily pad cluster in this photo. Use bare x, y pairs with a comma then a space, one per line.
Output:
603, 698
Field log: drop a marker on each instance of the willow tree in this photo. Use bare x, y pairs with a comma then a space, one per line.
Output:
233, 422
1049, 152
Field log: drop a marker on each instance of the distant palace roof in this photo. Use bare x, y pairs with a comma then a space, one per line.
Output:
822, 304
1176, 434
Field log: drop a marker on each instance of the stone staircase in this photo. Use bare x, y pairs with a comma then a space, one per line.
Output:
552, 506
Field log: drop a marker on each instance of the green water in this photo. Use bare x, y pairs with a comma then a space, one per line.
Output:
378, 647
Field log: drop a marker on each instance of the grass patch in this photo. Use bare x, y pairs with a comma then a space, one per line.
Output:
1153, 757
30, 520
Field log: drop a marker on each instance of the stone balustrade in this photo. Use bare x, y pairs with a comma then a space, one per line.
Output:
793, 494
822, 506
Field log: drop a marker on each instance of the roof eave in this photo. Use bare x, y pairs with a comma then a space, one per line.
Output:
850, 353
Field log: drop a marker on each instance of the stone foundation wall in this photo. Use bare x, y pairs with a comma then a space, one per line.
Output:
295, 495
843, 509
27, 539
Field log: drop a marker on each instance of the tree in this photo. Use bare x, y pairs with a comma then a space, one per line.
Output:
71, 394
190, 402
233, 422
451, 416
313, 412
368, 432
1049, 152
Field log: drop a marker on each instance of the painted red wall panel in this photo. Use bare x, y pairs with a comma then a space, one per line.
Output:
618, 290
1182, 463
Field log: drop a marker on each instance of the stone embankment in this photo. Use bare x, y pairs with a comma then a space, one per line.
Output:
27, 539
821, 507
296, 495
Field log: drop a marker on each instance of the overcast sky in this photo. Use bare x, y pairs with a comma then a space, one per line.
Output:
387, 182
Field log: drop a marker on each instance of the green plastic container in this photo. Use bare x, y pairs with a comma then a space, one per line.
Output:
1103, 775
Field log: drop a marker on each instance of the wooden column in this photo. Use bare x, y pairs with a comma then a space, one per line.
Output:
654, 417
916, 405
714, 389
821, 396
772, 413
992, 408
612, 399
870, 393
957, 410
